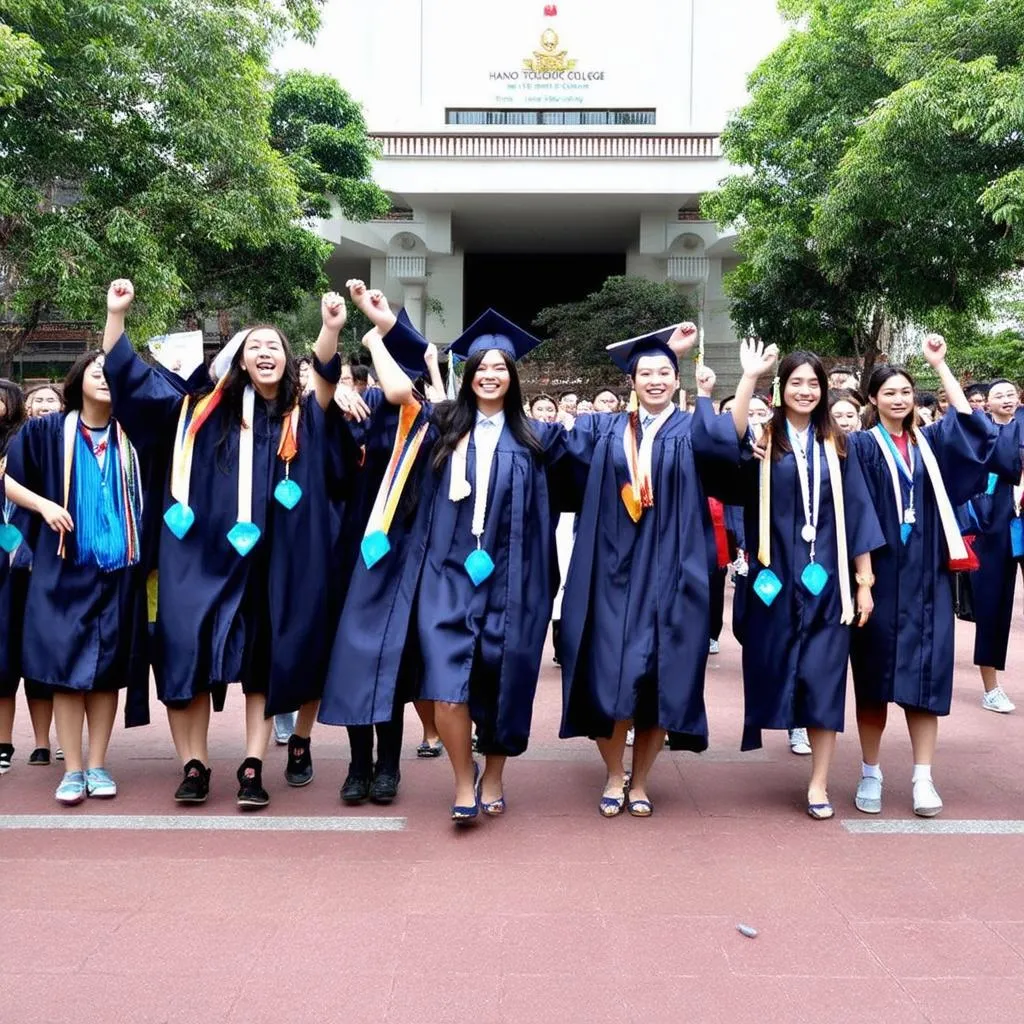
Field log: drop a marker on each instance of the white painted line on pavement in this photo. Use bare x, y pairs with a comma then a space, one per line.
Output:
198, 823
949, 827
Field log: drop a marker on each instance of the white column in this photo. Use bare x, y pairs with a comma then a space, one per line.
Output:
413, 300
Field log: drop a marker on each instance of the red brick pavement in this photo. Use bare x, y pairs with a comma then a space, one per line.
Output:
551, 914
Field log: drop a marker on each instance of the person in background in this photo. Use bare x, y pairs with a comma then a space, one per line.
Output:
543, 409
606, 401
999, 545
760, 411
583, 407
845, 409
927, 408
942, 401
306, 382
360, 379
568, 403
42, 400
843, 378
977, 396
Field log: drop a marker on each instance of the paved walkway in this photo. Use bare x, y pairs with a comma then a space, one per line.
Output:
551, 914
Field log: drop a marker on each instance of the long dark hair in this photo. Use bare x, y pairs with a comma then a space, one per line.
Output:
237, 379
821, 419
14, 412
880, 375
456, 419
73, 396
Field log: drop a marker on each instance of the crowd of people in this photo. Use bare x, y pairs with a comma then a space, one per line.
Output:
340, 545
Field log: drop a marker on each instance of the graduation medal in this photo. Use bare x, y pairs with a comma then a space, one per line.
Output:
478, 564
814, 576
375, 544
767, 586
10, 537
897, 467
1016, 523
288, 493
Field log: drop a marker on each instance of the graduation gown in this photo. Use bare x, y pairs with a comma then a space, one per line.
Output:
796, 650
476, 645
993, 584
84, 629
10, 639
905, 652
369, 669
635, 614
223, 618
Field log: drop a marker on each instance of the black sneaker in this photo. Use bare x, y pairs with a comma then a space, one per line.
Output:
6, 756
384, 788
356, 788
195, 787
250, 784
299, 770
40, 757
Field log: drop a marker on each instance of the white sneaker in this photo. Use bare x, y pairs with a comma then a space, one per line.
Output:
798, 741
713, 649
927, 802
996, 700
630, 737
869, 795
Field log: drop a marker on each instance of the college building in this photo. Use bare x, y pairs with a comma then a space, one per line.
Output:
534, 149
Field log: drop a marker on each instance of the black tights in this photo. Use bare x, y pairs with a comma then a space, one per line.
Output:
389, 743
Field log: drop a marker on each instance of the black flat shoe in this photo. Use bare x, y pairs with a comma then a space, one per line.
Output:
299, 770
195, 786
356, 788
251, 794
40, 757
384, 787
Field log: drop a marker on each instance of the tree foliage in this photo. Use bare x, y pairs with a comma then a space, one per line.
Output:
137, 142
623, 307
885, 148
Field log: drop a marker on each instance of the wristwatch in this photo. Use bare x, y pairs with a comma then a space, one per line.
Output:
865, 579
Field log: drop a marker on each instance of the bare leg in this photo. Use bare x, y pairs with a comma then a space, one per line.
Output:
100, 710
989, 678
491, 786
646, 747
6, 719
190, 727
425, 709
306, 719
823, 746
456, 732
257, 726
41, 713
924, 735
69, 716
871, 719
613, 750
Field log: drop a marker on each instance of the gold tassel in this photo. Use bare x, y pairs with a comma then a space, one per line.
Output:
633, 405
776, 393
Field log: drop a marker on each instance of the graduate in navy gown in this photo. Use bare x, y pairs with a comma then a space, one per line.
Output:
808, 517
392, 440
999, 544
905, 653
468, 603
84, 629
635, 615
244, 559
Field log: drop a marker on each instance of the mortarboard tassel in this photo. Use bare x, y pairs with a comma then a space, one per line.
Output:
776, 393
633, 405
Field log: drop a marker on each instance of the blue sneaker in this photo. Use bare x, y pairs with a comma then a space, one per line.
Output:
71, 789
284, 726
98, 783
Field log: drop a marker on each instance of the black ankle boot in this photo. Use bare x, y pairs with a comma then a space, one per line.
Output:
250, 784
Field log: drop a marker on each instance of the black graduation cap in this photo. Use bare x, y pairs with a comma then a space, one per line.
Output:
407, 346
624, 354
492, 330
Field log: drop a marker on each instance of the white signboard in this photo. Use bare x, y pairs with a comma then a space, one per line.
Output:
181, 353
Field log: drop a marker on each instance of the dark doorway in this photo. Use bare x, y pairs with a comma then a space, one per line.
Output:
519, 285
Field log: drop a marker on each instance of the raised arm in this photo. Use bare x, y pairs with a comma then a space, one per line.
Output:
435, 389
933, 348
332, 316
756, 360
120, 296
393, 381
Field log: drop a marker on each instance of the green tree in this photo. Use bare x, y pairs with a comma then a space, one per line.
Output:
136, 142
885, 147
623, 307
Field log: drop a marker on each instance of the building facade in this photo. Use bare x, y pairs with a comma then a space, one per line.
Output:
533, 149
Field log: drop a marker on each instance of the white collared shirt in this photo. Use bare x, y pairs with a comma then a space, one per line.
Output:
485, 439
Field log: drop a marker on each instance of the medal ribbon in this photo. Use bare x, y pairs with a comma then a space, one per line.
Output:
810, 515
897, 467
638, 493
